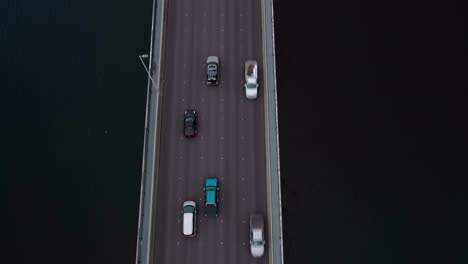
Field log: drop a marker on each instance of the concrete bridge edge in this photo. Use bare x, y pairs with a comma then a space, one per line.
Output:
151, 136
272, 136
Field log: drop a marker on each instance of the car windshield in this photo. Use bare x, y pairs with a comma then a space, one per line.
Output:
210, 196
257, 243
189, 209
188, 121
251, 86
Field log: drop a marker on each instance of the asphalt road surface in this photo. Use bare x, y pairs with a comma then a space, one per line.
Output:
230, 143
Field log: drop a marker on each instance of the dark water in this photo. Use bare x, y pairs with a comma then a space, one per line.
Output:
370, 150
371, 132
78, 92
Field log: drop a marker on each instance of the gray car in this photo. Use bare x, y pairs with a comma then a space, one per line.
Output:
212, 70
257, 235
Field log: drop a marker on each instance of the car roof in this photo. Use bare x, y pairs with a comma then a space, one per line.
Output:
188, 223
211, 196
257, 235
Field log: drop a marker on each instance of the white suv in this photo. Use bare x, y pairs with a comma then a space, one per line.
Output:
189, 218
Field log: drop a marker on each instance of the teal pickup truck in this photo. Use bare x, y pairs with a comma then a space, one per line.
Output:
211, 196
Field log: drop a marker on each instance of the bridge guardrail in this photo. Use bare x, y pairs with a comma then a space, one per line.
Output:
151, 137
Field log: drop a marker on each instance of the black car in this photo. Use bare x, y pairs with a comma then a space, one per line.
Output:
212, 70
190, 123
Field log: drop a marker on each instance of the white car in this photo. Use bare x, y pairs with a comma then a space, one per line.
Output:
251, 75
257, 237
189, 218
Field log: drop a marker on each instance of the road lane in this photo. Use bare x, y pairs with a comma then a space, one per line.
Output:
230, 144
